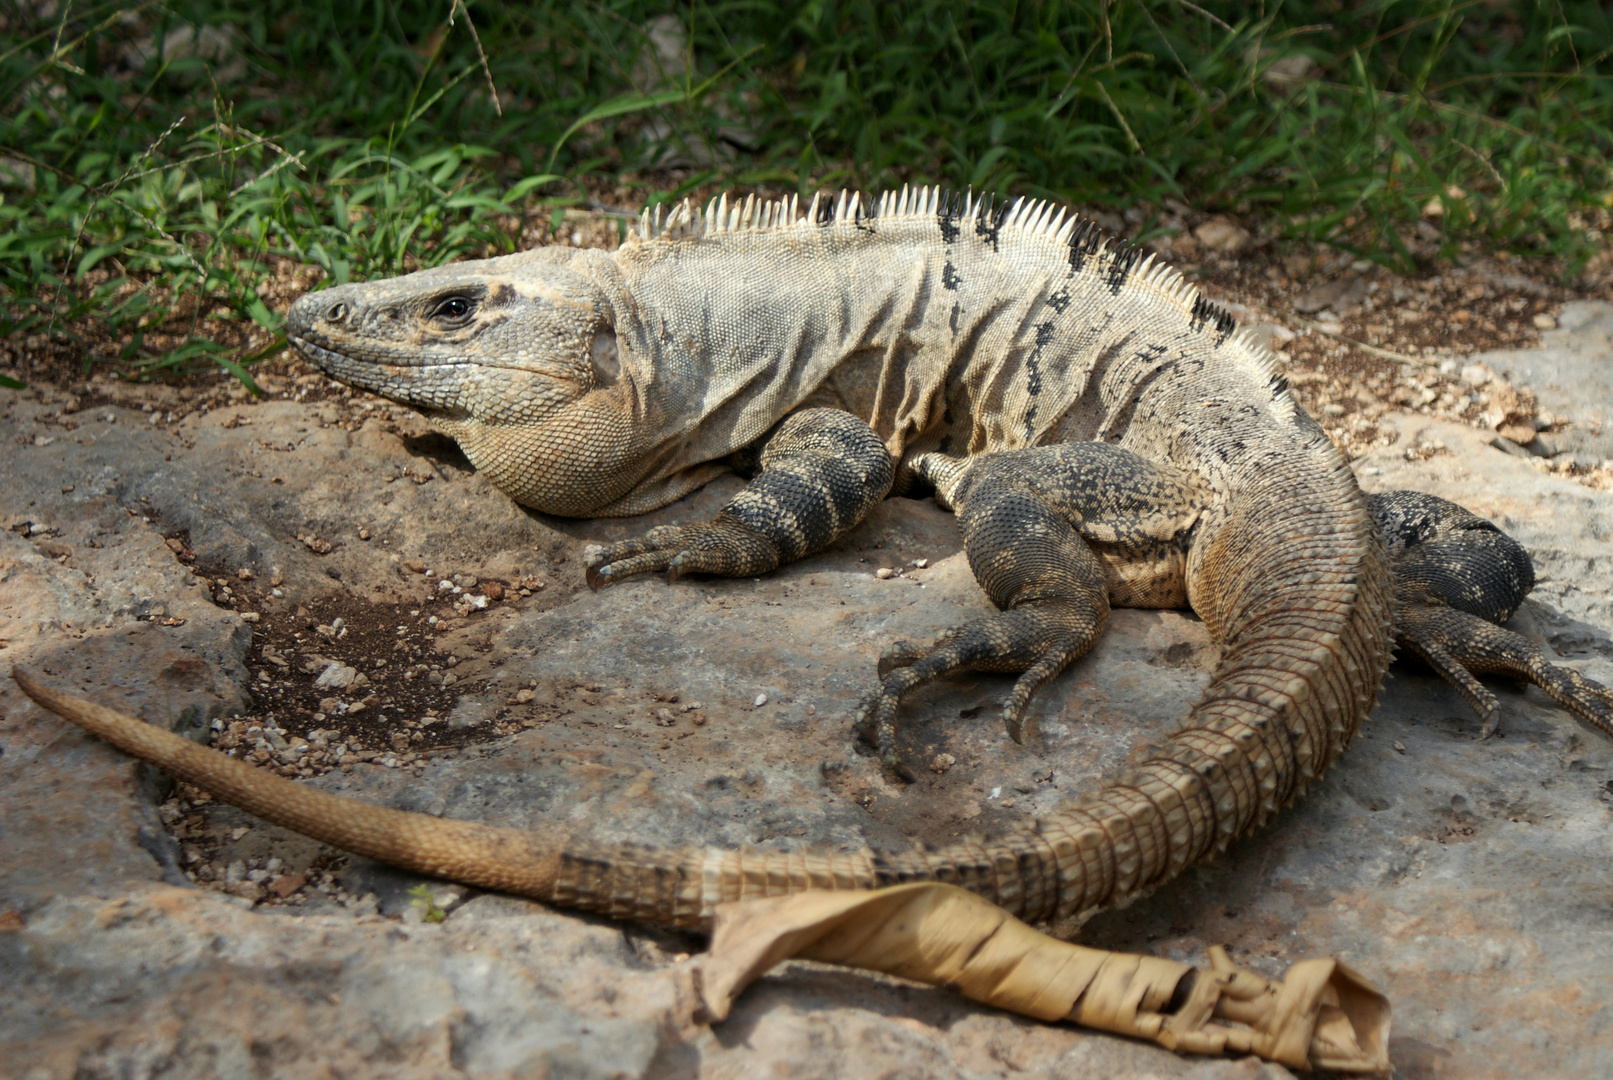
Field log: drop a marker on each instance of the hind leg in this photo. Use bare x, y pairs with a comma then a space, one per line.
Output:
1051, 588
1029, 518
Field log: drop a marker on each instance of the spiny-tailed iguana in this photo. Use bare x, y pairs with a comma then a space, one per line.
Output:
1106, 435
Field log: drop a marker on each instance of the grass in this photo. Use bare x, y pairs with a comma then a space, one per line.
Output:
159, 183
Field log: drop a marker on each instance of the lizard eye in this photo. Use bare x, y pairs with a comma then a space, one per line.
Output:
453, 309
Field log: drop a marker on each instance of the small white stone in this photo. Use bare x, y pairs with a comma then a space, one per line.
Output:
761, 699
336, 677
884, 573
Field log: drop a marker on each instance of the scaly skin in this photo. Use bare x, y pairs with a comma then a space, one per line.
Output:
944, 339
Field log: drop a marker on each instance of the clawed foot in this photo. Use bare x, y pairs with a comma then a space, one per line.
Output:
1585, 698
1460, 647
710, 547
1038, 640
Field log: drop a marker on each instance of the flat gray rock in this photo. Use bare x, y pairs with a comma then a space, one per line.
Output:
1470, 880
1572, 377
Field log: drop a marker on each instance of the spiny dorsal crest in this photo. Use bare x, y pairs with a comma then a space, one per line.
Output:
1090, 249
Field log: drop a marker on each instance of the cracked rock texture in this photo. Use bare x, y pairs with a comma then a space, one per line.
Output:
1472, 881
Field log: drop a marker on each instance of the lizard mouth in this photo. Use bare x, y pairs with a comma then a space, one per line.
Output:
324, 358
408, 384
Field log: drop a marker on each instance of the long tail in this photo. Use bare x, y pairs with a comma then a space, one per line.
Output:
490, 858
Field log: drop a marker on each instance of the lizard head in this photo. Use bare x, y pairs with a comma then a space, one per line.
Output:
498, 340
509, 356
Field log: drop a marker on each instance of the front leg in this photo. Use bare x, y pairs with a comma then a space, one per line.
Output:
1461, 646
1457, 579
822, 470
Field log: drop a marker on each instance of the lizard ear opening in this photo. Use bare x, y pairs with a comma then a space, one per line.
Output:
607, 362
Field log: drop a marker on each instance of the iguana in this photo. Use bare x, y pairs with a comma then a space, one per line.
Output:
1105, 434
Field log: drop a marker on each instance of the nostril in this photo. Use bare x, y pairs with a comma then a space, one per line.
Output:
336, 313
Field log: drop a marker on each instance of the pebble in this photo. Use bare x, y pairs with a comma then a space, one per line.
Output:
246, 890
884, 573
761, 699
414, 566
286, 884
1219, 234
942, 762
465, 581
337, 676
493, 591
523, 697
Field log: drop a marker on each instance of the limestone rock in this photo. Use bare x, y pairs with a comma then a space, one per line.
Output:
1572, 377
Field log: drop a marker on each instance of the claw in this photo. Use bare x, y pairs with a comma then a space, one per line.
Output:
674, 569
862, 722
1014, 721
597, 576
1492, 723
898, 766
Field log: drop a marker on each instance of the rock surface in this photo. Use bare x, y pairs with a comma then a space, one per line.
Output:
1472, 881
1572, 377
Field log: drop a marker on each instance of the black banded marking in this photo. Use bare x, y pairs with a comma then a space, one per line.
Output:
1086, 240
867, 211
1059, 300
1033, 375
1204, 313
1125, 260
949, 277
989, 220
